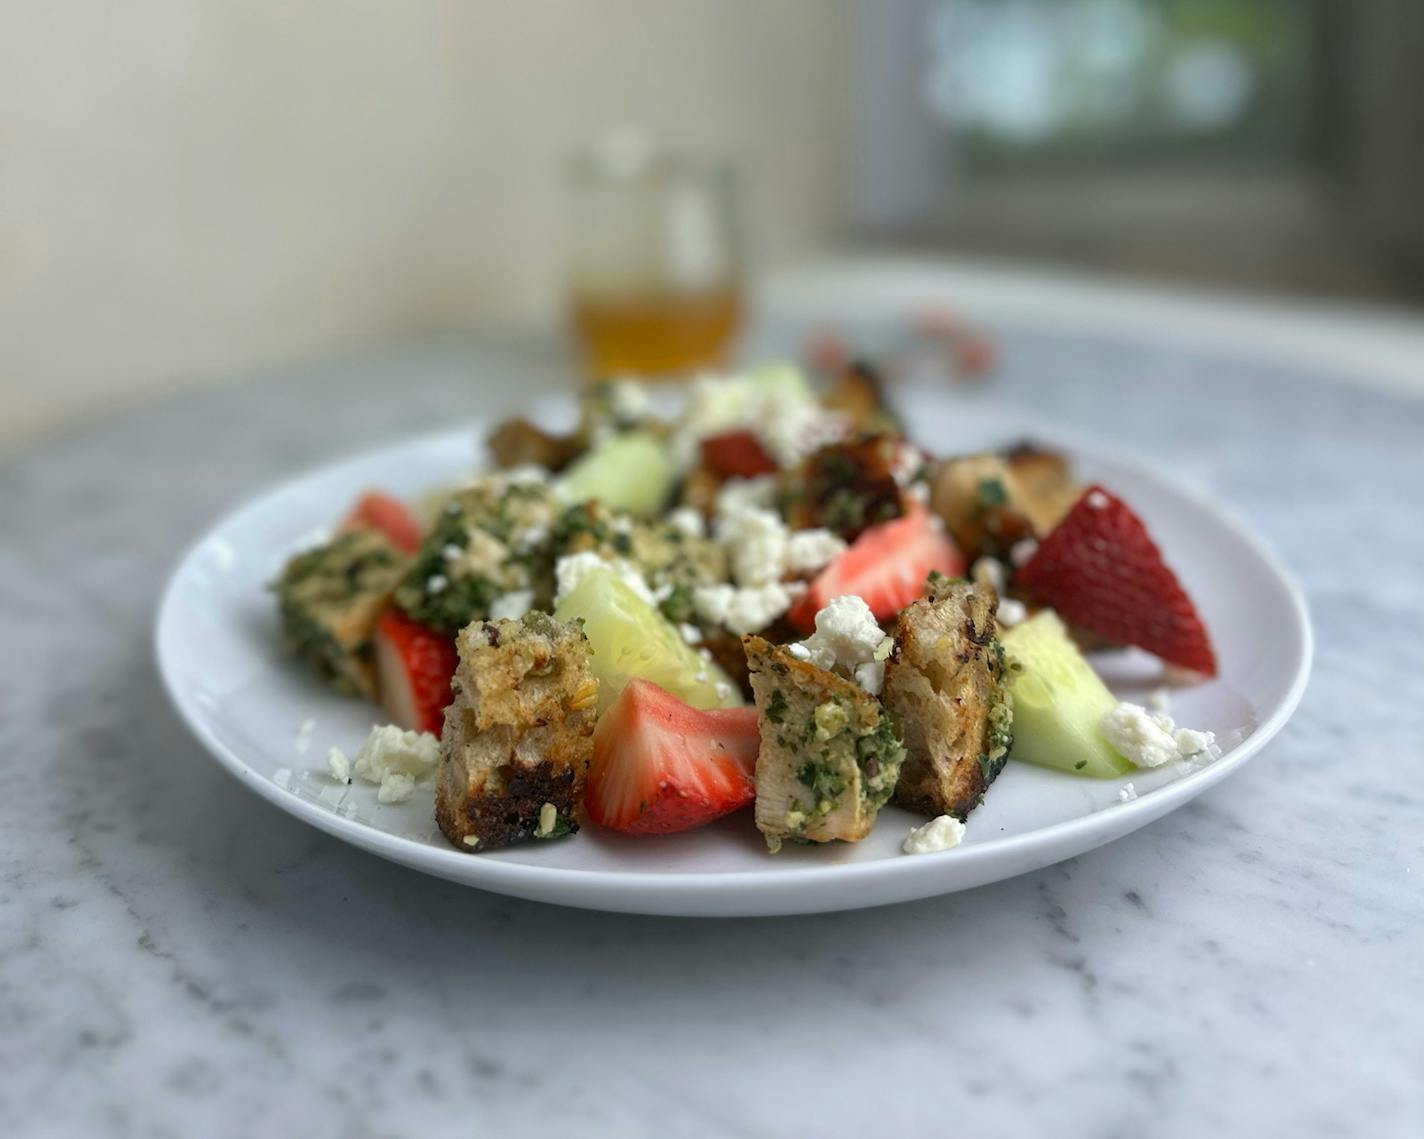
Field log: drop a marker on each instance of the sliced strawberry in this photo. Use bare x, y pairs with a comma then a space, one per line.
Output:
887, 567
1101, 570
414, 665
737, 453
661, 766
380, 511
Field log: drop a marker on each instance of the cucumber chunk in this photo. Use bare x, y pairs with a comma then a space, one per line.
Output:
1059, 702
630, 638
630, 471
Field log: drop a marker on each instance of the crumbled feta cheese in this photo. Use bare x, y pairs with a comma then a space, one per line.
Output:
742, 610
282, 777
389, 751
1022, 550
436, 583
907, 465
1127, 794
1196, 745
738, 495
1159, 700
450, 551
791, 427
526, 474
687, 519
1151, 739
1140, 736
531, 538
810, 550
756, 542
339, 765
511, 606
1097, 500
1012, 612
395, 788
847, 635
943, 833
628, 402
573, 568
723, 690
690, 633
484, 555
871, 676
789, 421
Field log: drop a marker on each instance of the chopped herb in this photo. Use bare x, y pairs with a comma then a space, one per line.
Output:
776, 706
992, 493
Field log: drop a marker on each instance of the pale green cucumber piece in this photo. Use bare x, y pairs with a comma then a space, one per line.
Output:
630, 472
1059, 702
630, 638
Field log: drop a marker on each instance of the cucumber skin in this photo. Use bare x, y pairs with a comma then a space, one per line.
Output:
1059, 703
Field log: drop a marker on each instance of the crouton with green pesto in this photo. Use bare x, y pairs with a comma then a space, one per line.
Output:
518, 733
829, 757
329, 599
947, 693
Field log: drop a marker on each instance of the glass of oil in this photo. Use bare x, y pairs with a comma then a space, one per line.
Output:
656, 267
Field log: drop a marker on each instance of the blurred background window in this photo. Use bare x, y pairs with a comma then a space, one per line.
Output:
1271, 143
1076, 79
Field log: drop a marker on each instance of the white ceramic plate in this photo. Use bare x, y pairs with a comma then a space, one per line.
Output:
218, 652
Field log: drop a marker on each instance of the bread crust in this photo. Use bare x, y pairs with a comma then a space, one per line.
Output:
945, 691
518, 734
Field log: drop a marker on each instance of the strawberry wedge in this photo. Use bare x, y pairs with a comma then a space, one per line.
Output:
737, 453
886, 567
1101, 570
661, 766
389, 515
414, 664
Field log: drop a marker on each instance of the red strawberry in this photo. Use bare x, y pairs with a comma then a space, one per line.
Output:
414, 665
1100, 569
887, 567
661, 766
738, 453
389, 515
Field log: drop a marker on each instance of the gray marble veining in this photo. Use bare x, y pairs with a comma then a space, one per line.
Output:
177, 958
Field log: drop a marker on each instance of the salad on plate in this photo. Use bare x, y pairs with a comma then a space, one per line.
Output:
771, 601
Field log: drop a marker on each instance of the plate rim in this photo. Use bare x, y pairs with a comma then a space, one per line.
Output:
627, 889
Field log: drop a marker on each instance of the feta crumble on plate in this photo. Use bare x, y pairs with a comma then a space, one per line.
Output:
1151, 739
394, 759
943, 833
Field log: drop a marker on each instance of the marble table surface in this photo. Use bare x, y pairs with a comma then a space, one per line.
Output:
177, 958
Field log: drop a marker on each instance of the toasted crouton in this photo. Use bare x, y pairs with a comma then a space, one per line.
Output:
518, 733
829, 757
944, 687
329, 599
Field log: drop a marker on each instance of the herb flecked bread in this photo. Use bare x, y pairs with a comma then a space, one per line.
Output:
829, 757
329, 598
946, 692
518, 733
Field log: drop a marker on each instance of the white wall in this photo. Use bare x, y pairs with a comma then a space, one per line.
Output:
191, 188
